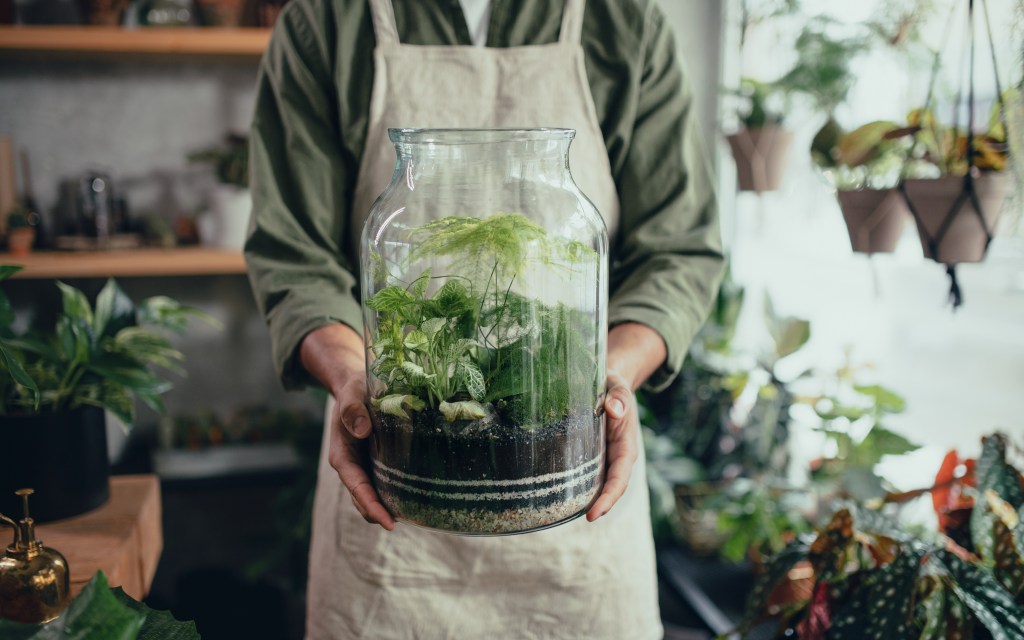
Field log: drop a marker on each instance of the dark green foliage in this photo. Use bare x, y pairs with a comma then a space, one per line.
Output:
475, 346
102, 357
881, 608
982, 594
102, 613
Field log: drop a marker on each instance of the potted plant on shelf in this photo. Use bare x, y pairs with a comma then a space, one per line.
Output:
226, 223
21, 235
56, 384
874, 578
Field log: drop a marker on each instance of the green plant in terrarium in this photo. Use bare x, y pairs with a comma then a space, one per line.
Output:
475, 346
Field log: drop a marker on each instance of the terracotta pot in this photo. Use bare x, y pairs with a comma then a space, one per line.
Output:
760, 156
62, 456
20, 241
965, 239
220, 13
874, 217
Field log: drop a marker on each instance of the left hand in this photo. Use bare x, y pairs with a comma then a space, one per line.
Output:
621, 424
635, 351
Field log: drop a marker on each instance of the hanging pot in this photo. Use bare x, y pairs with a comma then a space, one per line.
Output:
760, 156
874, 217
963, 236
62, 456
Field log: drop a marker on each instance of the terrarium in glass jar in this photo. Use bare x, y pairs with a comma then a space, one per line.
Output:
484, 282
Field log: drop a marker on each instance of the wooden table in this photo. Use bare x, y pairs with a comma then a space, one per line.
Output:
124, 537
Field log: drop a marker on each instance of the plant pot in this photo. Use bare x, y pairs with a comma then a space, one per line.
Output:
226, 224
966, 237
760, 156
62, 456
20, 241
220, 13
874, 218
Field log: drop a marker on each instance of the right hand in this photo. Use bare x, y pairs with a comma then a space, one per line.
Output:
334, 355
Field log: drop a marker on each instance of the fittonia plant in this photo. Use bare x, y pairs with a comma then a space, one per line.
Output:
470, 344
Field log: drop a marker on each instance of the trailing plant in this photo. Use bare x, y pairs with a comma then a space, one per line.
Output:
475, 345
873, 578
103, 356
822, 70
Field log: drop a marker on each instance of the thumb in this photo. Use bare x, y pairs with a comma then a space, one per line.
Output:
355, 418
616, 401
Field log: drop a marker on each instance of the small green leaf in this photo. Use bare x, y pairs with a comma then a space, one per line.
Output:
18, 373
416, 340
419, 285
390, 299
114, 310
432, 326
76, 305
8, 270
380, 345
463, 410
398, 404
453, 299
415, 373
159, 625
473, 379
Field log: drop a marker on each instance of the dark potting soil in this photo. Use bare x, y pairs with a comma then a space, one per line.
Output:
488, 476
485, 449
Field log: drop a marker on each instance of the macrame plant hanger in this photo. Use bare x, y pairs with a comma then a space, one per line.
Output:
968, 191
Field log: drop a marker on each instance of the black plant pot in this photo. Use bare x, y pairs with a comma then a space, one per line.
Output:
63, 457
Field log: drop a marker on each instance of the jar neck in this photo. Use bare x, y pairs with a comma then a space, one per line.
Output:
542, 156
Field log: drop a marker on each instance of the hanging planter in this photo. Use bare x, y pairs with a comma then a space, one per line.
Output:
965, 235
874, 218
760, 155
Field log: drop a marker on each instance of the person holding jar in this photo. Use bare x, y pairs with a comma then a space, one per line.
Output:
336, 76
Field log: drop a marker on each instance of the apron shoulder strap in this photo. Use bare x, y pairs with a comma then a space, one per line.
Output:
572, 22
384, 27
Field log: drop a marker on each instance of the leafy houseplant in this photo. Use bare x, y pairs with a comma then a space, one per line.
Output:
761, 145
230, 201
479, 379
873, 578
54, 386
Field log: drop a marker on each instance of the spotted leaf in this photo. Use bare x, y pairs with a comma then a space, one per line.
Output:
1009, 564
942, 616
881, 608
831, 549
977, 588
775, 570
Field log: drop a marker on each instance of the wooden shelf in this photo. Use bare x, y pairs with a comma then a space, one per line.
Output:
190, 261
206, 41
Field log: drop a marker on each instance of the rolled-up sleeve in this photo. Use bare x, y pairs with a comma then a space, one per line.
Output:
668, 260
301, 180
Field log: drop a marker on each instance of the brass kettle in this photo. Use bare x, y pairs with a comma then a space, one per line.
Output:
34, 580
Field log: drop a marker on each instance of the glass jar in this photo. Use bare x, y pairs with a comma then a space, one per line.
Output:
484, 281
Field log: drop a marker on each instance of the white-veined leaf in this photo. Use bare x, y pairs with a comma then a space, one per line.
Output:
399, 404
464, 410
473, 378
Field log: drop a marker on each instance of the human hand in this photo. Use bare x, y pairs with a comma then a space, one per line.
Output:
621, 424
334, 355
635, 351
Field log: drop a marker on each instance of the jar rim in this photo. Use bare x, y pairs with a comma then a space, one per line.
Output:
477, 136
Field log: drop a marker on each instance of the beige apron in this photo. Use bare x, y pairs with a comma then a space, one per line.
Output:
578, 580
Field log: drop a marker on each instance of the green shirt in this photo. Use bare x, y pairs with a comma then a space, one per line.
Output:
309, 130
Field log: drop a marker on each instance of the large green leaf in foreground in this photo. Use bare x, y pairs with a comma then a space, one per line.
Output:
102, 613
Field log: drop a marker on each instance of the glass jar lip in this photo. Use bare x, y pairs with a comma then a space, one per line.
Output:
477, 136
